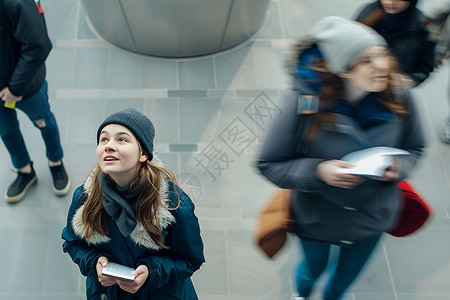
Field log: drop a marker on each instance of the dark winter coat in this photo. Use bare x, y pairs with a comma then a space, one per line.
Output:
169, 270
328, 213
24, 48
407, 36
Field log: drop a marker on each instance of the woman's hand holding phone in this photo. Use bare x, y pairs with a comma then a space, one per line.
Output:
102, 262
140, 276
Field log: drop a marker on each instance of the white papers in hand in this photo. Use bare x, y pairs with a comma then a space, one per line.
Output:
371, 162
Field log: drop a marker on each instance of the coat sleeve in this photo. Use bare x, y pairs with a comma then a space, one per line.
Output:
29, 30
426, 61
185, 255
279, 161
413, 140
82, 254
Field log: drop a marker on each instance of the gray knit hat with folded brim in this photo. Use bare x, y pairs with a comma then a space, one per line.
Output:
137, 123
340, 40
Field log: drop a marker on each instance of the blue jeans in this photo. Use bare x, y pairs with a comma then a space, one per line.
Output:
350, 262
37, 109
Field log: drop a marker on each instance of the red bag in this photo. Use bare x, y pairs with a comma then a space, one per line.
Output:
415, 212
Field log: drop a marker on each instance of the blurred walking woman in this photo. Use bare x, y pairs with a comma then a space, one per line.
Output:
131, 211
361, 103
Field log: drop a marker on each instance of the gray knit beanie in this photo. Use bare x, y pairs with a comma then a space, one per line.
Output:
137, 123
340, 40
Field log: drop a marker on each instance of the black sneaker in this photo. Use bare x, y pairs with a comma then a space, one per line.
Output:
61, 181
17, 190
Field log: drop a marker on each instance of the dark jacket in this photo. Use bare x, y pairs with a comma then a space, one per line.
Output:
24, 48
323, 212
407, 36
169, 270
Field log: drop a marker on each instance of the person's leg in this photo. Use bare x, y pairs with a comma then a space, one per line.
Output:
314, 262
15, 144
12, 138
350, 263
37, 108
445, 134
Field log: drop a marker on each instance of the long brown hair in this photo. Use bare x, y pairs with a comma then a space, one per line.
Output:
332, 88
152, 177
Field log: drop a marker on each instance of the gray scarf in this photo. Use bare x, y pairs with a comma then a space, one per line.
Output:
119, 204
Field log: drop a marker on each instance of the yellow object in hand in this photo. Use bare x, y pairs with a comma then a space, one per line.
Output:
13, 105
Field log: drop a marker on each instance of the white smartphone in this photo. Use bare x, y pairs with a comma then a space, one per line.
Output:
118, 271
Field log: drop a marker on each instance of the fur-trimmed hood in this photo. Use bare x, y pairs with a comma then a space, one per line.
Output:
298, 64
139, 235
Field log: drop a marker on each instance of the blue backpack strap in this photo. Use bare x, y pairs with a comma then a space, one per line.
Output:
303, 144
401, 93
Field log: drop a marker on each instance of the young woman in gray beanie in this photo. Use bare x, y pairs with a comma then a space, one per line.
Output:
130, 211
346, 96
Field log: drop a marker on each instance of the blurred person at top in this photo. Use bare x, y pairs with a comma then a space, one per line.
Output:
403, 26
24, 48
361, 101
440, 28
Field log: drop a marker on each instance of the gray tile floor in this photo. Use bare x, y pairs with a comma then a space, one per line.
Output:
200, 107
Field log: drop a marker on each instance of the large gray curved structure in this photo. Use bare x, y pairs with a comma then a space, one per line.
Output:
176, 28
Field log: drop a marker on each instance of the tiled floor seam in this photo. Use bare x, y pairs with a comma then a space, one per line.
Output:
388, 264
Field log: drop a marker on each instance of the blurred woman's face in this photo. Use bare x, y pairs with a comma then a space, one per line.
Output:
394, 6
370, 70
